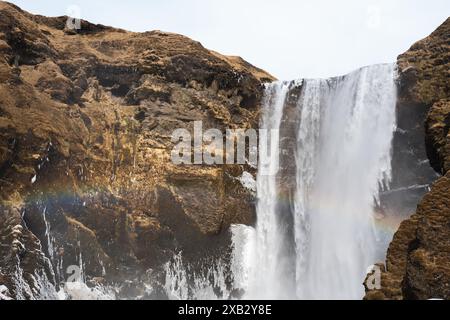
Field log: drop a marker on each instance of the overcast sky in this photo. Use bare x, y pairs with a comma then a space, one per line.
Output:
288, 38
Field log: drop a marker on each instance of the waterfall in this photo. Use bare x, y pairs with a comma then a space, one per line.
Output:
315, 238
330, 146
267, 244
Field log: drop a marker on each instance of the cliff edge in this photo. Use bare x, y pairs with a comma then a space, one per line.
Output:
86, 118
418, 259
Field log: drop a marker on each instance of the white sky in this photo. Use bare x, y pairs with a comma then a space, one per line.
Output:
288, 38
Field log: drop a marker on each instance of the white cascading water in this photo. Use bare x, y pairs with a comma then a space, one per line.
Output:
184, 283
352, 162
343, 160
267, 244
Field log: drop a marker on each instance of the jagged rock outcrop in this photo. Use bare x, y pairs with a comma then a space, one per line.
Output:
86, 118
437, 135
418, 259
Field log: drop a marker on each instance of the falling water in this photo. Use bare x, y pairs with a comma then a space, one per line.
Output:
342, 155
267, 243
184, 282
50, 240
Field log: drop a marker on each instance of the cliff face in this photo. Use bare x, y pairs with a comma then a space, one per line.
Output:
418, 259
86, 119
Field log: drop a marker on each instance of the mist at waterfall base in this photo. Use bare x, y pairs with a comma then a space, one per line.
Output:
315, 236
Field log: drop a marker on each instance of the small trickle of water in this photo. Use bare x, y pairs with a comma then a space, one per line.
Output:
183, 282
50, 240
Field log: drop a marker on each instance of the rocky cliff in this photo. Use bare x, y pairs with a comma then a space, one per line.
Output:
418, 259
86, 118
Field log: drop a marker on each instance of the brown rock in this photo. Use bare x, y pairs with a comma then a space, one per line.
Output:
418, 259
85, 135
437, 134
428, 265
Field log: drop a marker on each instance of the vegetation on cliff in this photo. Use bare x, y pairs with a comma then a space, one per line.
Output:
86, 118
418, 259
